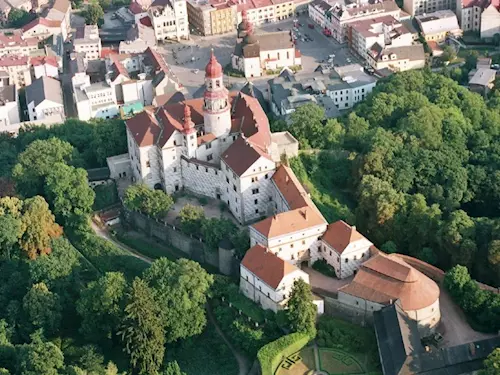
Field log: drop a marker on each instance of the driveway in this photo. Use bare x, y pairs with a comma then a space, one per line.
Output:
454, 326
322, 283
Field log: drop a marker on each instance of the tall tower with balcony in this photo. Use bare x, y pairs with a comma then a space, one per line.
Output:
216, 108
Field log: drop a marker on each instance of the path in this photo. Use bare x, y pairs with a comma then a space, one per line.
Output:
243, 364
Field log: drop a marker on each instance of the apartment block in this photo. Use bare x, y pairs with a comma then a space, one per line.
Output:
169, 19
88, 42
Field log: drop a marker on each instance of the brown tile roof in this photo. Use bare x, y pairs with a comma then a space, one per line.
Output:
144, 135
206, 138
42, 60
251, 119
11, 60
41, 21
242, 154
339, 235
289, 222
385, 278
61, 5
16, 38
290, 187
266, 266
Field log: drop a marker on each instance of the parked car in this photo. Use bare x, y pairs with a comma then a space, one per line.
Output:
495, 66
311, 26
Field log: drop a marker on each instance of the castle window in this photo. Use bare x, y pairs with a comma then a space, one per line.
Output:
257, 211
256, 201
148, 164
175, 169
270, 199
346, 260
266, 176
175, 143
197, 167
291, 246
303, 242
209, 157
234, 187
208, 146
217, 83
355, 257
206, 170
330, 253
192, 136
255, 191
227, 180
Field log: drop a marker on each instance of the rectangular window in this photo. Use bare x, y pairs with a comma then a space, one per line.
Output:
175, 169
255, 191
257, 211
209, 157
227, 180
234, 187
346, 260
291, 246
256, 201
148, 164
206, 170
254, 179
270, 199
266, 176
208, 146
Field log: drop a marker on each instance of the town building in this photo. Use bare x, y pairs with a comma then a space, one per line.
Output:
401, 350
9, 109
139, 9
482, 80
212, 17
169, 19
482, 16
256, 53
333, 88
16, 69
267, 279
396, 59
139, 39
218, 146
260, 12
317, 12
17, 44
43, 28
386, 279
386, 31
87, 41
438, 25
44, 99
336, 19
421, 7
59, 10
46, 66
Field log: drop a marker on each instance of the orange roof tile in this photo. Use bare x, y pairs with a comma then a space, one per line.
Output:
386, 278
289, 222
241, 155
266, 266
339, 235
290, 187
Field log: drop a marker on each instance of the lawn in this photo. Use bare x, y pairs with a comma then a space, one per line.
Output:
298, 364
335, 361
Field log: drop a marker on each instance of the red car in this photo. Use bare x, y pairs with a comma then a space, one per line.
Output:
311, 26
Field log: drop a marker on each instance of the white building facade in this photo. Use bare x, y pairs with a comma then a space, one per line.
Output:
169, 19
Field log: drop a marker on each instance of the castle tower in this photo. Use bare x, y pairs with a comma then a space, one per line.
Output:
216, 108
189, 134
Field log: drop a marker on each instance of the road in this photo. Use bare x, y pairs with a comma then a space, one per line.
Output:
199, 47
243, 363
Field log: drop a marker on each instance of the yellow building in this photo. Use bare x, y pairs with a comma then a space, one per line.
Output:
211, 17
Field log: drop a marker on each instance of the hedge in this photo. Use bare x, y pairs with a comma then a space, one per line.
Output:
270, 355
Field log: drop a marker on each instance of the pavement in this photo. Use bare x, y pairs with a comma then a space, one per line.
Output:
454, 326
325, 283
179, 55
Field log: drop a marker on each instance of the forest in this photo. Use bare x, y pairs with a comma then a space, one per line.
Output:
415, 167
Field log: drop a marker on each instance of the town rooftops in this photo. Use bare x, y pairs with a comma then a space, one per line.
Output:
58, 10
42, 60
321, 5
41, 21
264, 42
16, 39
365, 10
44, 88
438, 22
376, 26
289, 222
412, 53
12, 60
384, 279
340, 235
266, 266
483, 77
87, 34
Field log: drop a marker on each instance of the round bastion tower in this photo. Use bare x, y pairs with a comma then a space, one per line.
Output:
216, 108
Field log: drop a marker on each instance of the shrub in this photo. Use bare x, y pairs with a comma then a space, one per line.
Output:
323, 267
191, 218
154, 203
214, 230
105, 195
270, 355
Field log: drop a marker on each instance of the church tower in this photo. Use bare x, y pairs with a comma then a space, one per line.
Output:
189, 134
216, 108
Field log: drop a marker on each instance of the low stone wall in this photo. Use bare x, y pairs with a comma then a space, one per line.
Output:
340, 310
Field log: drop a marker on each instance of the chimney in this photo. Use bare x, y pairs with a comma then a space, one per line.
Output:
287, 179
305, 213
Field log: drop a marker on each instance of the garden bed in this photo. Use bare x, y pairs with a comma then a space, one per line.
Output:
335, 361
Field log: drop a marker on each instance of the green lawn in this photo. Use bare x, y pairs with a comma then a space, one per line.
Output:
336, 361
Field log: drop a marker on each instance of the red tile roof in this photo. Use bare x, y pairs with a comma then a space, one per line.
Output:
42, 60
340, 235
41, 21
146, 21
266, 266
242, 154
386, 278
135, 8
289, 222
10, 60
290, 187
16, 38
144, 135
206, 138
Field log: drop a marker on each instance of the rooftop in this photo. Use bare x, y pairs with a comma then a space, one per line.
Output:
13, 60
413, 53
16, 38
8, 94
266, 266
340, 235
483, 77
438, 22
44, 88
87, 34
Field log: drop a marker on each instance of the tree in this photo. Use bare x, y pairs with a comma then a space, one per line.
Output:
456, 237
492, 362
191, 218
39, 227
301, 309
173, 368
19, 17
70, 195
389, 247
449, 53
39, 357
94, 14
455, 280
37, 161
42, 309
154, 203
307, 125
180, 288
10, 232
142, 329
100, 306
471, 59
214, 230
241, 242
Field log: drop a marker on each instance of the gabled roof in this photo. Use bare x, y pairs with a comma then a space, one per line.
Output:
289, 222
266, 266
144, 135
44, 88
41, 21
384, 279
242, 154
42, 60
290, 187
340, 235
